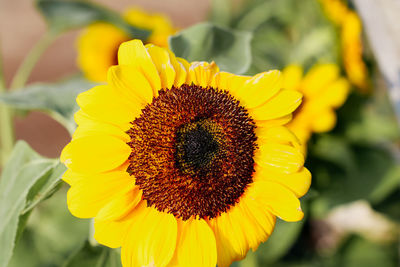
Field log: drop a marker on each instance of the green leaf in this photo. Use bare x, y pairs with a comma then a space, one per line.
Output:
58, 99
231, 50
27, 178
51, 235
390, 182
44, 188
63, 15
98, 256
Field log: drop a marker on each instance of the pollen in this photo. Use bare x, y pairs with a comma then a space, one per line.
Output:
192, 151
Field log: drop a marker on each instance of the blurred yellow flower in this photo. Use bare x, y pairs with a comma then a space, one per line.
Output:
98, 44
181, 164
352, 51
323, 91
351, 43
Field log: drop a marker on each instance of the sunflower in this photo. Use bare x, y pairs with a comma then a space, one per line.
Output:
351, 44
323, 91
181, 164
98, 44
352, 51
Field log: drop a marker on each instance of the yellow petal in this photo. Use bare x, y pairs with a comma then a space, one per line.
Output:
185, 64
278, 157
282, 104
334, 94
196, 245
222, 80
298, 182
71, 177
303, 131
201, 73
179, 68
292, 76
275, 122
95, 154
82, 118
159, 25
277, 199
228, 81
105, 104
151, 240
259, 222
163, 64
121, 204
132, 84
96, 53
277, 134
92, 192
318, 77
244, 226
112, 233
259, 89
335, 10
230, 236
92, 127
324, 122
134, 53
351, 27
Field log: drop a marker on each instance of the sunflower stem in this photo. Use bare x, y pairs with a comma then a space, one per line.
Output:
6, 123
26, 67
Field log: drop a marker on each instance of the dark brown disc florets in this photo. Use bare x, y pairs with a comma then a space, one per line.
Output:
192, 151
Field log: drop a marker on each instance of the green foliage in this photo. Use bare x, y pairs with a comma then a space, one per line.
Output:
285, 32
355, 251
51, 235
98, 256
63, 15
57, 99
358, 251
357, 175
207, 42
390, 205
354, 160
26, 179
368, 119
221, 12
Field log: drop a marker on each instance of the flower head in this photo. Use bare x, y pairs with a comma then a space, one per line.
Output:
350, 41
181, 164
323, 91
98, 44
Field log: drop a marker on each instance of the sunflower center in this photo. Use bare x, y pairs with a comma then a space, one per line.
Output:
192, 151
197, 145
